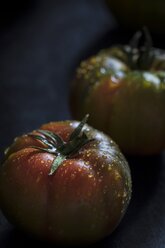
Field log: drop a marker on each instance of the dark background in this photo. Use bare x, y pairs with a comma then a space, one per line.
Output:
41, 43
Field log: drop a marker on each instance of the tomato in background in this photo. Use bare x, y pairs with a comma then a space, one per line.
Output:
123, 90
134, 14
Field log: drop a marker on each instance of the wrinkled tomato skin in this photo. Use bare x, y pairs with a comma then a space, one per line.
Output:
81, 203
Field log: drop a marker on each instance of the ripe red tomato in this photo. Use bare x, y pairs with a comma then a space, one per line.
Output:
123, 90
66, 183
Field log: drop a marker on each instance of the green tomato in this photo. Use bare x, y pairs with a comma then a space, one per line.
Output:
135, 13
123, 90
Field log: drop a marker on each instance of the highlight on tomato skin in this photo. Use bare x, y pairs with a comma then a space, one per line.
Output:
123, 90
66, 183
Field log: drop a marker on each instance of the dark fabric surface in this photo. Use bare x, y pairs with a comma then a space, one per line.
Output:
41, 43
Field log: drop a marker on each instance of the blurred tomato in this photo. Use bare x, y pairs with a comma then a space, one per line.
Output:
123, 89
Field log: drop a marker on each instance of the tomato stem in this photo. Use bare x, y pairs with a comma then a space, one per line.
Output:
54, 144
56, 163
140, 56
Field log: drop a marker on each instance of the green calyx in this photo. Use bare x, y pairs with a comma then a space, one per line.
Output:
140, 51
54, 144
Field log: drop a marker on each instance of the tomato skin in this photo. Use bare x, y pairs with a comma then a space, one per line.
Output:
134, 14
126, 104
82, 202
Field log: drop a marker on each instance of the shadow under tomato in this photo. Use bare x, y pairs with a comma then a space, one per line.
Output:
145, 173
17, 238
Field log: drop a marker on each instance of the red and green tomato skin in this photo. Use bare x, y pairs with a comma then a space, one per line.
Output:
82, 202
134, 14
126, 104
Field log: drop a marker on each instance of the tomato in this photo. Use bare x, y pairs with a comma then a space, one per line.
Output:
66, 183
123, 90
135, 13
